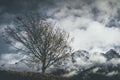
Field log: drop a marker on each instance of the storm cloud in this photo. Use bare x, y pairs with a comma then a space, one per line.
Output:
94, 24
89, 22
12, 8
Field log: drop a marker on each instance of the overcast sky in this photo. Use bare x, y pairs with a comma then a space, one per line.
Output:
94, 24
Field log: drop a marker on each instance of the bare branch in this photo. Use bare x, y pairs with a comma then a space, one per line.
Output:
43, 42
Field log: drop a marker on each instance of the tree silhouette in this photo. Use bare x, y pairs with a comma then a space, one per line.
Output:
43, 43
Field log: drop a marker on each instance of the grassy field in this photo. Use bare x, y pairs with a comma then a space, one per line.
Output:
13, 75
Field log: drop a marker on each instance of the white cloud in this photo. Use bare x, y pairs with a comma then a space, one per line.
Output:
89, 34
10, 58
112, 73
97, 58
115, 61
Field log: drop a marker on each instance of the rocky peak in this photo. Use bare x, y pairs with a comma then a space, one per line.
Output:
111, 54
80, 54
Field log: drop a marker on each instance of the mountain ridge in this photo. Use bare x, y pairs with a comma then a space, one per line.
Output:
80, 60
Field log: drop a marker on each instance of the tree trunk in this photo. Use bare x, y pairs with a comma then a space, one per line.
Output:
43, 70
43, 67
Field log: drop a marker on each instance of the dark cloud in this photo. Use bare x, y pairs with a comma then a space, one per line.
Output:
95, 11
4, 48
76, 8
115, 21
16, 6
117, 17
9, 8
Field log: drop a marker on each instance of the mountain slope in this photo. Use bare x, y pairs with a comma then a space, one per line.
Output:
98, 73
111, 54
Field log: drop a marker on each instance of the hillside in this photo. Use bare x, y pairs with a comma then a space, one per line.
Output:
93, 73
13, 75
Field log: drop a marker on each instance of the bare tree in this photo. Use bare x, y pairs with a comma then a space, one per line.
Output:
43, 43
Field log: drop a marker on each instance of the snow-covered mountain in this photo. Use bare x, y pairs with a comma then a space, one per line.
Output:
79, 60
80, 54
98, 73
83, 60
108, 70
111, 54
92, 57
